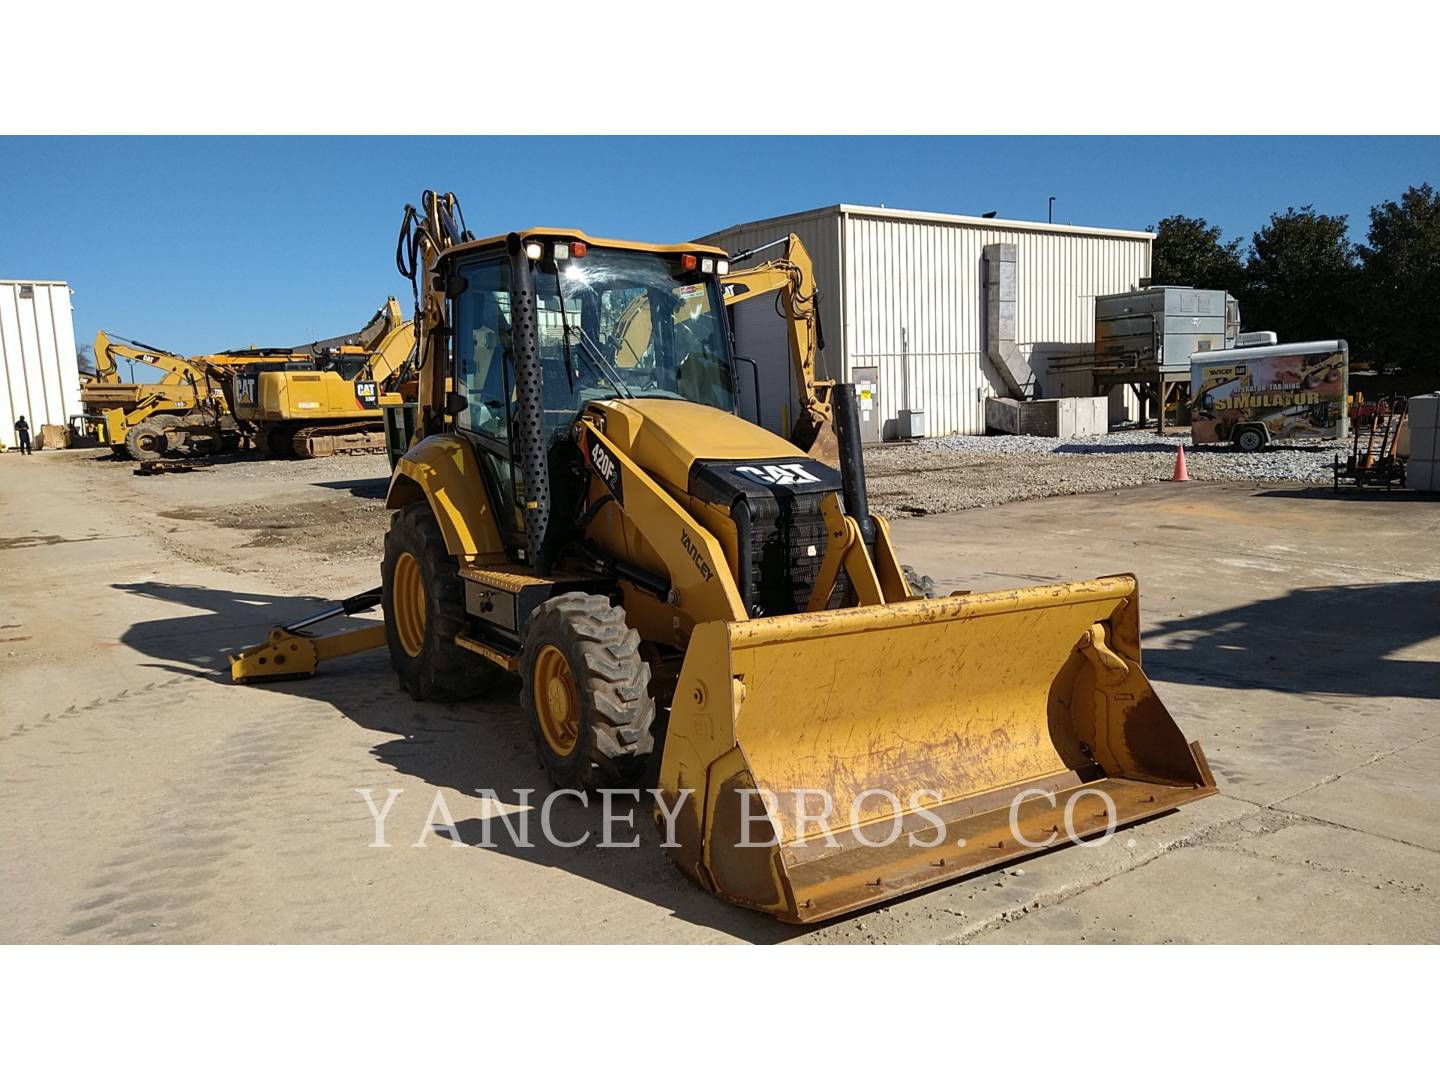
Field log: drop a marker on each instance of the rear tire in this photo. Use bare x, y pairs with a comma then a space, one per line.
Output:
586, 692
146, 441
424, 601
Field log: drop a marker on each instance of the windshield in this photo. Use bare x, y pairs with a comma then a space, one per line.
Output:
630, 324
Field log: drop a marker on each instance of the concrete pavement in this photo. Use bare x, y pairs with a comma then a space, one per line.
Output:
1296, 636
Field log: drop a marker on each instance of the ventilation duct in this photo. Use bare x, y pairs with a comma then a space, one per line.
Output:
1000, 345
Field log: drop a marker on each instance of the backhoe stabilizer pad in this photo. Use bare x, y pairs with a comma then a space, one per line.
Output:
828, 761
285, 654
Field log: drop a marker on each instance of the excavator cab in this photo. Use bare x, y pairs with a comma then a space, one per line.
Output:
583, 508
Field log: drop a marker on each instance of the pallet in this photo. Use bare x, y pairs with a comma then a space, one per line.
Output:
155, 468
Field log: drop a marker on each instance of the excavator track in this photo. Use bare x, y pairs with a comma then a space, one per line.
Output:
327, 440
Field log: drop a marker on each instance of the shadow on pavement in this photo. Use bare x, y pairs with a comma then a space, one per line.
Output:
1332, 639
374, 487
460, 747
1350, 493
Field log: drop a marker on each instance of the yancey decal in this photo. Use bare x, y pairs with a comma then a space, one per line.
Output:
693, 550
780, 475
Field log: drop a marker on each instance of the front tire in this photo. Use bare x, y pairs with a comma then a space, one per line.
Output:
586, 692
146, 441
424, 601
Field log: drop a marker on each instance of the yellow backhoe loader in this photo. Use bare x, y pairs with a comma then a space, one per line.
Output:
184, 411
667, 578
334, 406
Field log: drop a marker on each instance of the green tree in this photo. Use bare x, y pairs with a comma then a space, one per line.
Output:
1401, 272
1302, 277
1190, 251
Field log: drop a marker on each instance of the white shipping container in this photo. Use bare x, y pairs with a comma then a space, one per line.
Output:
41, 379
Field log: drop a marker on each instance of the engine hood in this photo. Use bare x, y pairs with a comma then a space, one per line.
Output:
667, 438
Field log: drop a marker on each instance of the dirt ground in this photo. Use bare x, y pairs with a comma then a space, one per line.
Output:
1296, 635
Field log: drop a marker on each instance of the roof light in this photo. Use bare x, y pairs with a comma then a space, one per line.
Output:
722, 267
534, 249
707, 266
561, 251
577, 249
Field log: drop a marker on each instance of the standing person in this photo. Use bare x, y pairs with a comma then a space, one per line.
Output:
22, 435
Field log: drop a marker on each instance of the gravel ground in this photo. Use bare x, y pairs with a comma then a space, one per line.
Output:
334, 507
956, 472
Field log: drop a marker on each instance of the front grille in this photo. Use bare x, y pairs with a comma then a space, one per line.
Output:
781, 571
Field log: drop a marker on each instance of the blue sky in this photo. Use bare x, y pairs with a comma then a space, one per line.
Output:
198, 244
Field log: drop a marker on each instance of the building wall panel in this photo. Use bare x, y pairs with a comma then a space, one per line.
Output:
39, 376
908, 291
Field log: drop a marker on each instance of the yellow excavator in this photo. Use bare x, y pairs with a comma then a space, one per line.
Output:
670, 581
184, 411
333, 406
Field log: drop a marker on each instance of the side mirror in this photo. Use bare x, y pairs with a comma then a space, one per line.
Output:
455, 403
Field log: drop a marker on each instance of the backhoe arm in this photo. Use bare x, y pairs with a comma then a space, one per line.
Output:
792, 276
178, 370
425, 235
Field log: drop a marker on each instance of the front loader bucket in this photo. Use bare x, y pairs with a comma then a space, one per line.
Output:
819, 763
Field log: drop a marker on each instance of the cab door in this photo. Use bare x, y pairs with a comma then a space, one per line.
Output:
484, 377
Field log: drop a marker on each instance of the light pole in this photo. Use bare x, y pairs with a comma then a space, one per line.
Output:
1050, 211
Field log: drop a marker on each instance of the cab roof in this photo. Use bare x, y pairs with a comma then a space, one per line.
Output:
557, 233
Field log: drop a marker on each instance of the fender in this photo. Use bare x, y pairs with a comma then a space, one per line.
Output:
444, 470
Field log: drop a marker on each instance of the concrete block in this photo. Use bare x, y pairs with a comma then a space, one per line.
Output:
1051, 417
1425, 411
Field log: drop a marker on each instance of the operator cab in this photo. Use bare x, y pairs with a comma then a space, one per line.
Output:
612, 323
349, 362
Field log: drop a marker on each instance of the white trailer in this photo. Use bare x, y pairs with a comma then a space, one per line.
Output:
41, 378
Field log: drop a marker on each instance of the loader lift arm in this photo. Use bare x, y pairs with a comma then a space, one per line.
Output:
792, 277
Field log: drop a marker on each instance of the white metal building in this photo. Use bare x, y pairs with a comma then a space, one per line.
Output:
40, 379
904, 292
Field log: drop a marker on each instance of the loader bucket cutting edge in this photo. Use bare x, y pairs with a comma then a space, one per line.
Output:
926, 729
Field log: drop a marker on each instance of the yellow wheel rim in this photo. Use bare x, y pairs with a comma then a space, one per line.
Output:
407, 593
556, 702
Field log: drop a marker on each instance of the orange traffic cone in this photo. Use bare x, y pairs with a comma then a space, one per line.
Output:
1180, 473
